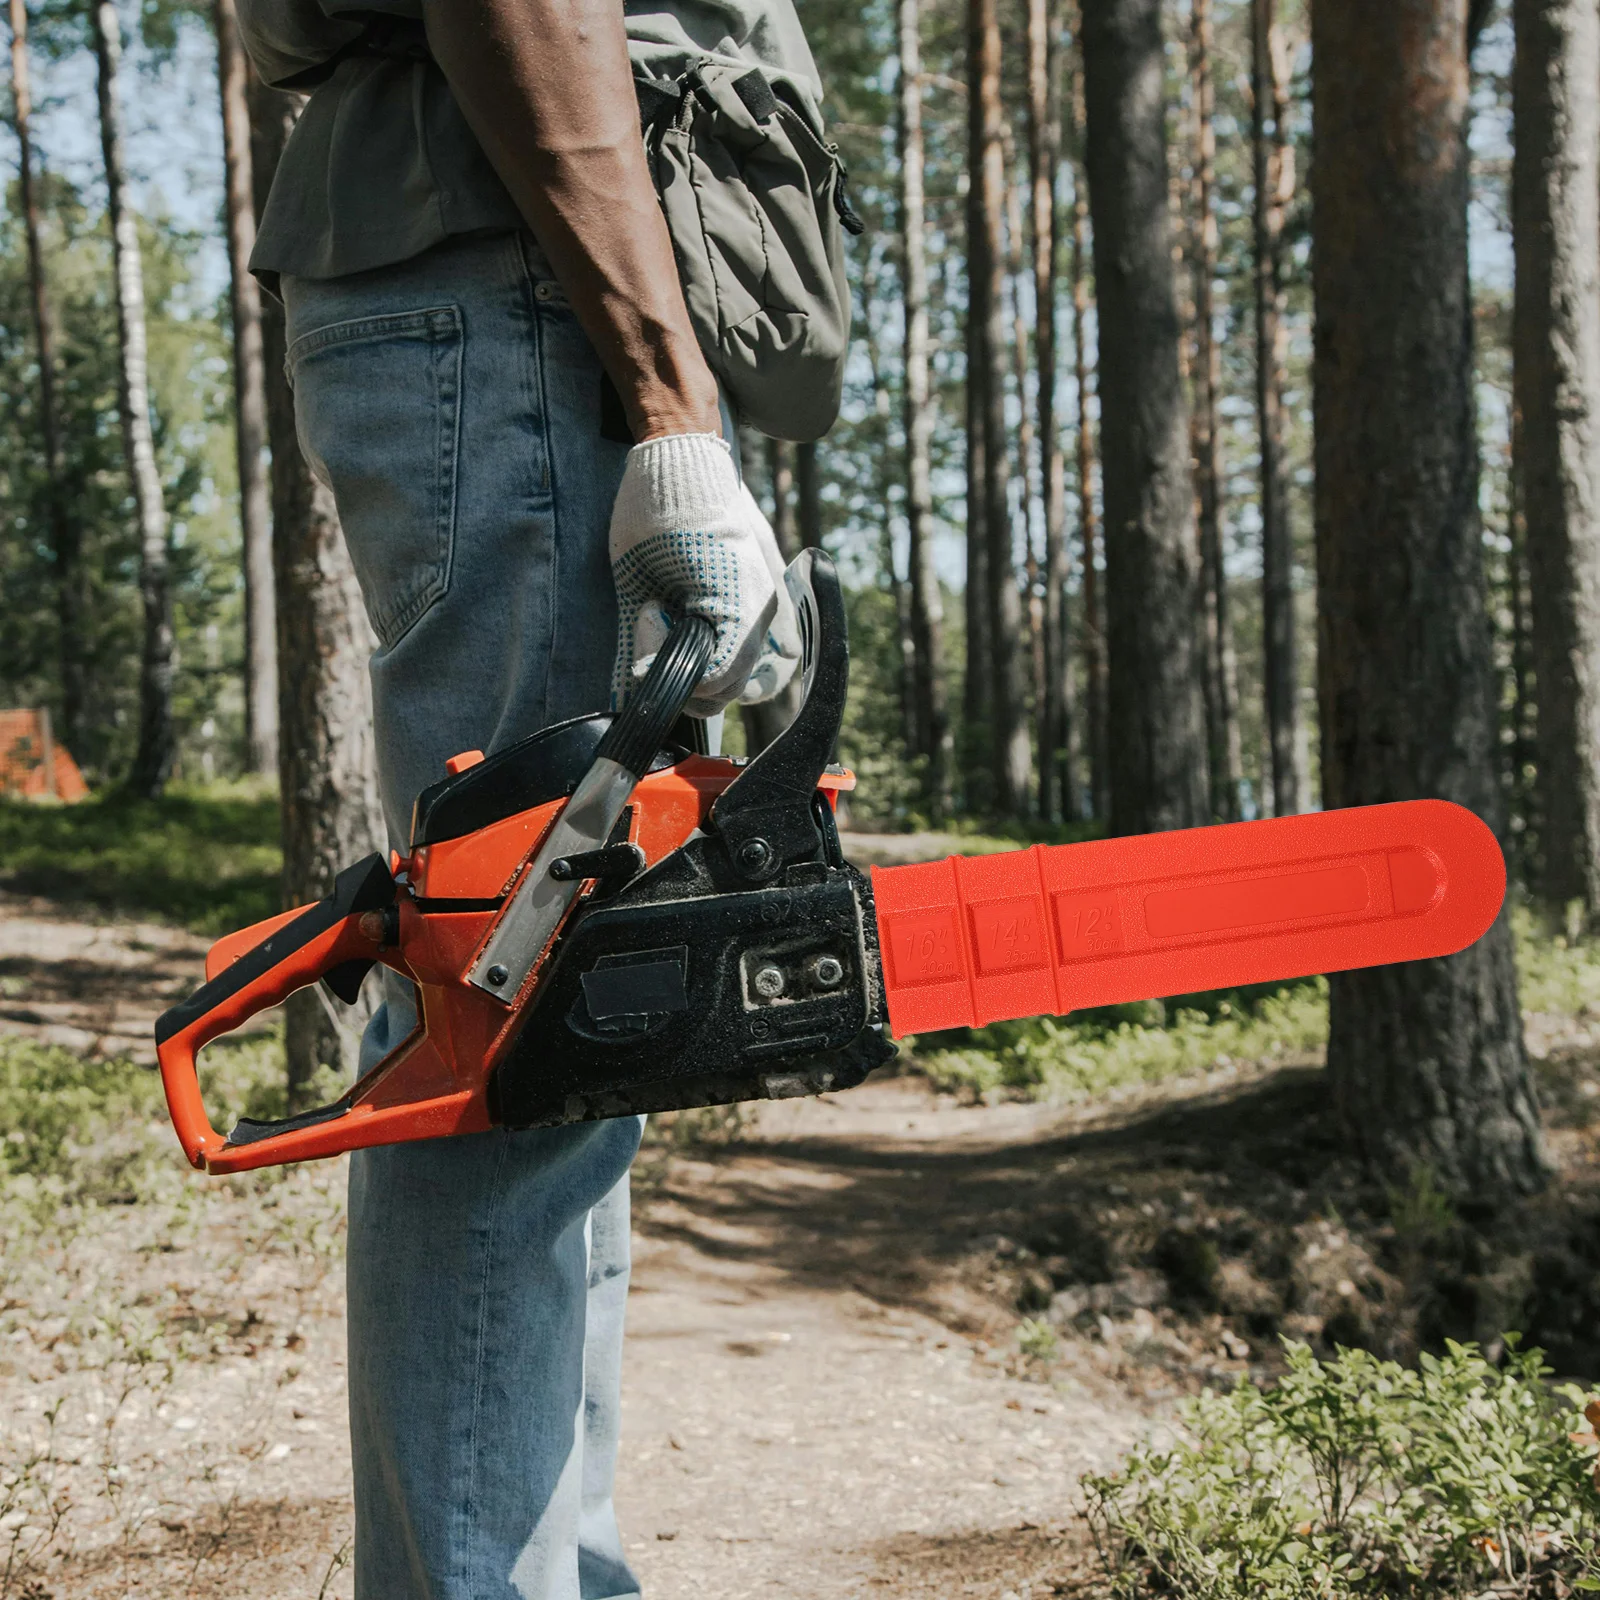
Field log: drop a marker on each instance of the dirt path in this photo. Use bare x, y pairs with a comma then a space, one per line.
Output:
815, 1405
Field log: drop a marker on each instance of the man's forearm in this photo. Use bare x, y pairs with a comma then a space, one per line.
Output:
547, 88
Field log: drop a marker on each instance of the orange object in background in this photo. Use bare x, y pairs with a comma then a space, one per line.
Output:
32, 765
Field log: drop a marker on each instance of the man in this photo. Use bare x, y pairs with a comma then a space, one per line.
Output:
468, 245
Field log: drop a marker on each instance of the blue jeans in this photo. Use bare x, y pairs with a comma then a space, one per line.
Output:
453, 404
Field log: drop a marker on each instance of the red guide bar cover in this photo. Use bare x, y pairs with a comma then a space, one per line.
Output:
1057, 928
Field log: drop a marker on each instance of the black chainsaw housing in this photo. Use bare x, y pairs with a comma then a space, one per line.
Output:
672, 940
742, 966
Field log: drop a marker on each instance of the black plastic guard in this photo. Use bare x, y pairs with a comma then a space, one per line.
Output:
725, 1039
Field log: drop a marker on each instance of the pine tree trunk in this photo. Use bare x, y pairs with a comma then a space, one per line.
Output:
1222, 666
1523, 831
1093, 610
250, 414
808, 493
1023, 520
152, 762
326, 767
1555, 189
763, 723
1058, 789
977, 692
65, 541
929, 716
1157, 741
1273, 162
1010, 760
1426, 1058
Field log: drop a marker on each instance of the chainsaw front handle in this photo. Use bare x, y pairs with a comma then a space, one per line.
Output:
303, 948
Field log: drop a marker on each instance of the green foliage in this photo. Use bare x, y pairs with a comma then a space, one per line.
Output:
82, 1131
1357, 1477
207, 858
1094, 1052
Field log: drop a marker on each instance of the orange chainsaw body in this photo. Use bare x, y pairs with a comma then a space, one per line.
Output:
434, 1083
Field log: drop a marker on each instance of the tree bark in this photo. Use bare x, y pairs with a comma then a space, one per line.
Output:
1024, 522
977, 692
1058, 789
326, 763
65, 539
808, 492
1555, 189
1426, 1058
763, 723
1273, 163
1222, 667
1010, 760
250, 414
1092, 620
929, 716
152, 762
1157, 756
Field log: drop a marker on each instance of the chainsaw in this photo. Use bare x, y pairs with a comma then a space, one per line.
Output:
600, 920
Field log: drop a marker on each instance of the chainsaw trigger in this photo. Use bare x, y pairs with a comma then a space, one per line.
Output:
343, 982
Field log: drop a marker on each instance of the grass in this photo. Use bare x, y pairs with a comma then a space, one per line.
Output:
207, 859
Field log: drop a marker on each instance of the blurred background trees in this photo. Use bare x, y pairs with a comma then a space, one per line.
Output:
1179, 479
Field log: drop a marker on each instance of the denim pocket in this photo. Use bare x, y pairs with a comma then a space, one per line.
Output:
378, 409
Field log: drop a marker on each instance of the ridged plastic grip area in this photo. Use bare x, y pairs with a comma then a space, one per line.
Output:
644, 723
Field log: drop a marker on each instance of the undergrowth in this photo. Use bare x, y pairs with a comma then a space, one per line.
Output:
204, 857
1357, 1477
1093, 1053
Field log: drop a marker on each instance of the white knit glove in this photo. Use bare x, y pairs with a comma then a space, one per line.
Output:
687, 538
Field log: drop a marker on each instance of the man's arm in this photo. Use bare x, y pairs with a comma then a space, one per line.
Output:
547, 89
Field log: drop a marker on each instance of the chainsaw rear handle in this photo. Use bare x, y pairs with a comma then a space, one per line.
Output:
322, 938
642, 726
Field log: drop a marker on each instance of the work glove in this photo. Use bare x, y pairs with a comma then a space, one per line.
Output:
780, 654
687, 538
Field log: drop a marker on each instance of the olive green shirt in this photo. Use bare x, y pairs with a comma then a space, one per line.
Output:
381, 164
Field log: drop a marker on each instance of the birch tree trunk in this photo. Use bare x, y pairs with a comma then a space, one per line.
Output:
1426, 1058
1273, 163
1092, 620
1555, 187
326, 761
152, 762
929, 716
65, 540
1157, 752
1058, 789
1221, 667
250, 402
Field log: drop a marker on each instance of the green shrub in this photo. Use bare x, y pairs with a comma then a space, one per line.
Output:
1358, 1477
83, 1131
1078, 1057
207, 858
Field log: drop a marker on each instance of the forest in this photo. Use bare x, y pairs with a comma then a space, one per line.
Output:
1220, 441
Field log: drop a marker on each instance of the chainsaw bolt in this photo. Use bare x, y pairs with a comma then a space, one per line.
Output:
768, 983
497, 976
754, 854
828, 971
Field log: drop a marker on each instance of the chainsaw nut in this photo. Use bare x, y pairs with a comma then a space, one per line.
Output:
827, 971
768, 983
